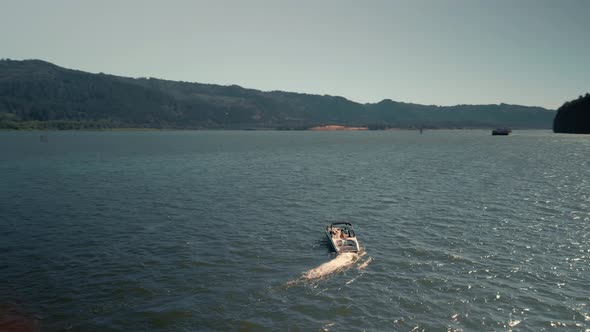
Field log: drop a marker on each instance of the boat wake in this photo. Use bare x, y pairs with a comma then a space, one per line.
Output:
340, 263
366, 263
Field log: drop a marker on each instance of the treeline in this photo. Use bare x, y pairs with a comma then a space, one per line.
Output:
39, 95
573, 117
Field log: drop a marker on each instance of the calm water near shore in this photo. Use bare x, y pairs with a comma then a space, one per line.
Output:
223, 231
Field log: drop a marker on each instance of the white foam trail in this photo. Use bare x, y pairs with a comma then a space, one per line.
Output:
291, 283
361, 252
341, 262
353, 280
365, 263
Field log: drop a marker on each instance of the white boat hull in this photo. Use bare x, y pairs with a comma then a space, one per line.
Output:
342, 239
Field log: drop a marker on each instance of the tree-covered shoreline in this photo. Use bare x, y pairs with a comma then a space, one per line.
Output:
35, 94
573, 117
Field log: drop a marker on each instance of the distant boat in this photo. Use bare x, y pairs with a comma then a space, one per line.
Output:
342, 238
501, 131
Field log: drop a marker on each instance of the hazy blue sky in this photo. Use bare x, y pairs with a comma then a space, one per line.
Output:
531, 52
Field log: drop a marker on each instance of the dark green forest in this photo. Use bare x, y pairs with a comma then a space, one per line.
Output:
573, 117
35, 94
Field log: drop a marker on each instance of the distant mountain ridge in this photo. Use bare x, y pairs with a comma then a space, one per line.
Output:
35, 94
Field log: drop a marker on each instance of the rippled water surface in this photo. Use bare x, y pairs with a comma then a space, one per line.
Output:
184, 231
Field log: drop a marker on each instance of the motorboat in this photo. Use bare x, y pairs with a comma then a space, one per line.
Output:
342, 238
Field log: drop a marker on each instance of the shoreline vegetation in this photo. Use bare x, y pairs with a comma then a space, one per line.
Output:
573, 117
38, 95
108, 126
328, 128
105, 126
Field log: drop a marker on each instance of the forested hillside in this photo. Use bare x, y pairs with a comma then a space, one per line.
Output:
36, 95
573, 117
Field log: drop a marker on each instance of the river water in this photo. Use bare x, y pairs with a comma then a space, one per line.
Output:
224, 231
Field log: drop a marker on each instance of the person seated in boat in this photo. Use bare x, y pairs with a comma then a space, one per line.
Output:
342, 235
